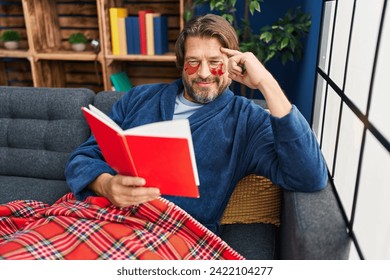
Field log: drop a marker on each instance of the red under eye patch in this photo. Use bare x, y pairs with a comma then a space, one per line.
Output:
191, 69
216, 71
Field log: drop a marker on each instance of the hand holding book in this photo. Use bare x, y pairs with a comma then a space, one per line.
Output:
161, 153
123, 191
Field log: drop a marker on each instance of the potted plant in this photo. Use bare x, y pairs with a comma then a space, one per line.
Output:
78, 41
280, 41
11, 39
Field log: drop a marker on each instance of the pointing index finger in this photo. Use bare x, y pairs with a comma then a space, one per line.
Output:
238, 60
229, 52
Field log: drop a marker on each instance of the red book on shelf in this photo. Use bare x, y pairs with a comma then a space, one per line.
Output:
162, 153
142, 29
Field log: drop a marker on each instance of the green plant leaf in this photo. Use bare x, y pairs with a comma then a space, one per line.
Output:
266, 36
219, 5
75, 38
290, 56
254, 5
229, 18
292, 45
269, 56
212, 5
289, 28
273, 47
10, 35
284, 43
284, 59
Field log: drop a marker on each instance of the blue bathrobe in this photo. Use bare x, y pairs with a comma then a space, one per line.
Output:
232, 137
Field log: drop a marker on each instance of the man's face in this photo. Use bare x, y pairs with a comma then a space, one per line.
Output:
204, 72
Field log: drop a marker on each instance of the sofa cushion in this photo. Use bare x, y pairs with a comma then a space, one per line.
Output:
15, 188
39, 128
105, 99
255, 241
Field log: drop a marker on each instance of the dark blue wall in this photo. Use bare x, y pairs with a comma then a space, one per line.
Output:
303, 89
296, 78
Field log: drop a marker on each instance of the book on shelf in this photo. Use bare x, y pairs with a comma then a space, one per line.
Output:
162, 153
142, 29
160, 27
149, 18
132, 35
122, 36
116, 13
120, 81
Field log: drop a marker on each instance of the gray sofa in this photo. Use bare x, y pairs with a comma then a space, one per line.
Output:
39, 127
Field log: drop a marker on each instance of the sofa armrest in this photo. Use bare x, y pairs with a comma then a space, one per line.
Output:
312, 226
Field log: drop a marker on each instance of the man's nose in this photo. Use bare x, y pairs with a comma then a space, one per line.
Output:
204, 70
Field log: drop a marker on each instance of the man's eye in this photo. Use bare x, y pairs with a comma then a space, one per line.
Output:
193, 63
215, 63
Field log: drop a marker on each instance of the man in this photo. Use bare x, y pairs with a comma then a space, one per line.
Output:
232, 136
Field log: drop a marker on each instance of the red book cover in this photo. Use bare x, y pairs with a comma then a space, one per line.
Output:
162, 153
142, 29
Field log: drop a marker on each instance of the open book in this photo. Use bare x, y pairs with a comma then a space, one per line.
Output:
162, 153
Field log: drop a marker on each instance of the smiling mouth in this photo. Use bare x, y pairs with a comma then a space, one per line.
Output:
204, 83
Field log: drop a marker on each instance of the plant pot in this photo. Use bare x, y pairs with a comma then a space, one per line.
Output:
79, 47
11, 45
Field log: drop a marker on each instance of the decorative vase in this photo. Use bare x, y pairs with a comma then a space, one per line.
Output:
78, 47
11, 45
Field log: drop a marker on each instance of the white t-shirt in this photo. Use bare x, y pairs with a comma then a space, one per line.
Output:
184, 108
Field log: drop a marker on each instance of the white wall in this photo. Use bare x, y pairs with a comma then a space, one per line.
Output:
351, 117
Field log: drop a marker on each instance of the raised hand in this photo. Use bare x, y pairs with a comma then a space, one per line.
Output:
246, 69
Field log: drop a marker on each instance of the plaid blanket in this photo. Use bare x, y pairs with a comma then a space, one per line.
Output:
95, 229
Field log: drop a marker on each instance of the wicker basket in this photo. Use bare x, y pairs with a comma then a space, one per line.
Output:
255, 200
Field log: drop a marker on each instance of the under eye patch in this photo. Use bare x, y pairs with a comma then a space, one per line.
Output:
191, 69
217, 70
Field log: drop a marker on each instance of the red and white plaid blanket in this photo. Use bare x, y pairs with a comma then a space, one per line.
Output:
95, 229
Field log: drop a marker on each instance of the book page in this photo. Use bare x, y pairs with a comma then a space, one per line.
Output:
169, 129
173, 129
104, 118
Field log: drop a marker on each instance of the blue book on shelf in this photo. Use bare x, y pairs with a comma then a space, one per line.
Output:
132, 35
160, 30
121, 81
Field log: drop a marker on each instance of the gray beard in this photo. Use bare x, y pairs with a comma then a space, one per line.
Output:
203, 97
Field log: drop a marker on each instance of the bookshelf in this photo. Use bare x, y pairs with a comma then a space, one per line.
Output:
45, 57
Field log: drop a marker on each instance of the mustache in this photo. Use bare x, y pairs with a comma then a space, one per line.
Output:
207, 80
